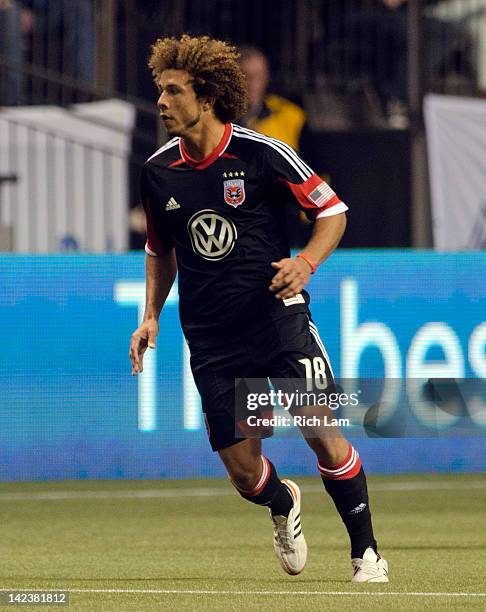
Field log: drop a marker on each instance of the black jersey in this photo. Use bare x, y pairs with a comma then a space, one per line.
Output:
225, 217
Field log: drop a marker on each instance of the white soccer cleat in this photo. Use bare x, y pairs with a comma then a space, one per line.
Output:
371, 568
288, 540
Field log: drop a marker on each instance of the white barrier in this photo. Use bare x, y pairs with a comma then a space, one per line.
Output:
456, 140
72, 176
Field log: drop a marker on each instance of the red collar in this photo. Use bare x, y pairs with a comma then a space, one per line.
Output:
201, 164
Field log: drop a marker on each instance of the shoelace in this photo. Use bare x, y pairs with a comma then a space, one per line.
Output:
369, 567
285, 539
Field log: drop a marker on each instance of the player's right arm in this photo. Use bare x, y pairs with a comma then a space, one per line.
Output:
160, 273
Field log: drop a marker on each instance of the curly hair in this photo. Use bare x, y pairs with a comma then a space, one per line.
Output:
213, 66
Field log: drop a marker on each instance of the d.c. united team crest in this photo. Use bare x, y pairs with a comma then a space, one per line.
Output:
234, 192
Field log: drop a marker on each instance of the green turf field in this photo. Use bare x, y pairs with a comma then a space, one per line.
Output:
180, 545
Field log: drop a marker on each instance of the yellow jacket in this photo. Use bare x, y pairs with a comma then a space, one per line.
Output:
284, 120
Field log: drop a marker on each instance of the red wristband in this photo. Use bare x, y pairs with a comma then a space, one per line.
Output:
307, 259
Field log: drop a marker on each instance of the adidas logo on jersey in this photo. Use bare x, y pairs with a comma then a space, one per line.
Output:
172, 205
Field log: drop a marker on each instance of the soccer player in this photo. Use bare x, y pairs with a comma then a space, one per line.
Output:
213, 199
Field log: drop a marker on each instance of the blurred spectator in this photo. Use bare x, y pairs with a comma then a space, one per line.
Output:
16, 19
69, 27
62, 38
276, 117
473, 15
383, 56
269, 114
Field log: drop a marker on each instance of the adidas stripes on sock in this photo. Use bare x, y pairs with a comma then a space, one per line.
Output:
269, 491
346, 484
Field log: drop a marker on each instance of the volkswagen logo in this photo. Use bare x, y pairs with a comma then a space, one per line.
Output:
213, 236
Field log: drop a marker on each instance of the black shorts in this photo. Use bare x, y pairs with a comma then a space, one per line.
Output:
271, 350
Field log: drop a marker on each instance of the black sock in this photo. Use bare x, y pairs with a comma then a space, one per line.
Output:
351, 499
270, 491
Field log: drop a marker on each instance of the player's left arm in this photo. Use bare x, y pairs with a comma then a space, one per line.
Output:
282, 165
294, 273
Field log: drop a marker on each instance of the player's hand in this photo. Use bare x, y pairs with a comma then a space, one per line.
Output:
142, 338
291, 277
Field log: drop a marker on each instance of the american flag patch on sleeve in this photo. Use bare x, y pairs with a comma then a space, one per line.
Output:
321, 194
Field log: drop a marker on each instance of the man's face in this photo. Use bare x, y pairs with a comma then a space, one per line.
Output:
255, 68
178, 105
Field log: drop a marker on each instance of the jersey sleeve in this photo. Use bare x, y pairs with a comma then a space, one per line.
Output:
159, 240
282, 164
